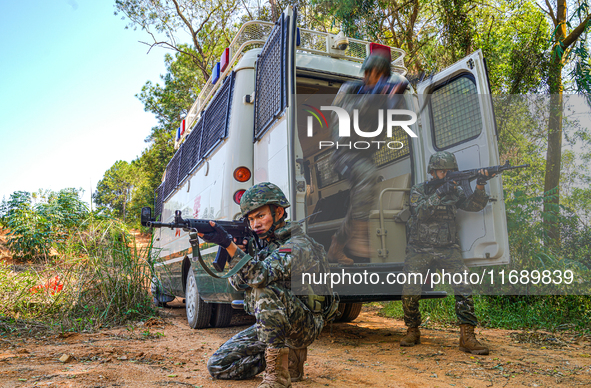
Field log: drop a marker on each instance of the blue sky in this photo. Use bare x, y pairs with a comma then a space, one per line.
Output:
69, 72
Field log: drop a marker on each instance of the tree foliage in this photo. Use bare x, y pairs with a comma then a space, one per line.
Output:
569, 46
173, 23
39, 224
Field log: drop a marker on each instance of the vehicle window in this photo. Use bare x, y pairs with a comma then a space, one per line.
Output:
217, 115
455, 112
325, 174
205, 136
270, 80
158, 201
386, 155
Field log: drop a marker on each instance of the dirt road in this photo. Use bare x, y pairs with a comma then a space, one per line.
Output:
364, 353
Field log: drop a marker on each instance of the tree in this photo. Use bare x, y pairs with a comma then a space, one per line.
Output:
115, 191
207, 24
39, 224
568, 46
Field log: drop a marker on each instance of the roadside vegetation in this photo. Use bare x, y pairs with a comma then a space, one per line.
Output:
71, 269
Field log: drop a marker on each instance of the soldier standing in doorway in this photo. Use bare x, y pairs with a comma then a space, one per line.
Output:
433, 242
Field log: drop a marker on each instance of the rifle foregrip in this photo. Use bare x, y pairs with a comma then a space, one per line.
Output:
221, 259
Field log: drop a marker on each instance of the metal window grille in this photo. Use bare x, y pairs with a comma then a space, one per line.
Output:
325, 173
197, 135
172, 173
386, 155
191, 150
185, 151
207, 133
456, 115
158, 199
270, 79
217, 115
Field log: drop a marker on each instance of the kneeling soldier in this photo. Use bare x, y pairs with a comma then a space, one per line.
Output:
286, 323
433, 242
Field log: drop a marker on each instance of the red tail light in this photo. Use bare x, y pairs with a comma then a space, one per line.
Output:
238, 196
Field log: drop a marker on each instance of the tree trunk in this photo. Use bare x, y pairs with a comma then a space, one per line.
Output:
554, 153
553, 157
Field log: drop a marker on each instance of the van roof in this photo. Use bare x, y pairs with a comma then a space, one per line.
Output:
254, 33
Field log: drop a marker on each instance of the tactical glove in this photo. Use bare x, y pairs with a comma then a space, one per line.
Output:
482, 180
446, 188
218, 236
484, 177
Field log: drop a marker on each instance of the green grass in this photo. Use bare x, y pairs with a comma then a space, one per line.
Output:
551, 312
103, 279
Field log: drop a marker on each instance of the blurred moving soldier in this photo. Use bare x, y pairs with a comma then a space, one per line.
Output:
376, 92
286, 323
433, 243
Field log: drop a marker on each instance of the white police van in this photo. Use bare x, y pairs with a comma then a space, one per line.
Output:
246, 128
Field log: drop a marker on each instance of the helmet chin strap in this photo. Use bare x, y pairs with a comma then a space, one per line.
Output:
274, 225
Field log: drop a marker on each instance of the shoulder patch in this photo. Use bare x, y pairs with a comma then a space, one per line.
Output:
414, 198
284, 250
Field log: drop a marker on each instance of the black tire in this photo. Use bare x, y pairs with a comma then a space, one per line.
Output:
221, 315
341, 311
198, 311
350, 311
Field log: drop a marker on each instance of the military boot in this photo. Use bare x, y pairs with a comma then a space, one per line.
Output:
335, 253
412, 337
277, 373
469, 343
358, 245
297, 357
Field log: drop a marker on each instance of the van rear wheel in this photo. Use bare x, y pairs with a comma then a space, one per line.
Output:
198, 311
349, 311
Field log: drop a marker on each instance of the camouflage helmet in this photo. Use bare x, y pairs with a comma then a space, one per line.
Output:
442, 160
377, 61
262, 194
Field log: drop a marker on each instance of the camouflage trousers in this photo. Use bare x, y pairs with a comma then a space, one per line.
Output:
420, 260
282, 320
362, 174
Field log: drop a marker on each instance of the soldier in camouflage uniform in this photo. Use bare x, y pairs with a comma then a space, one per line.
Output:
433, 242
356, 165
286, 323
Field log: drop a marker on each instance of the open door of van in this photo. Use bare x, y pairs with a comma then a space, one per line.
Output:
458, 117
274, 110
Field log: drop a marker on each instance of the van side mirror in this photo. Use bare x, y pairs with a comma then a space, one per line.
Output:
146, 216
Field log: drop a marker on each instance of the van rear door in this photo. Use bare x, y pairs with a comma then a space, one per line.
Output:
274, 112
458, 117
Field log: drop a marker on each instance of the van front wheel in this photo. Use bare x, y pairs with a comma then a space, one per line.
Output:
198, 311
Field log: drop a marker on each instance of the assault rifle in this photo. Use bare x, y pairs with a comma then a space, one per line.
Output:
463, 178
238, 229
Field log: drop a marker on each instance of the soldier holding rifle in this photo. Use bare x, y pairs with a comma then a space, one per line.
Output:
286, 323
433, 242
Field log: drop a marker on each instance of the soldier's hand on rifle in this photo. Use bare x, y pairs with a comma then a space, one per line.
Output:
446, 189
483, 178
241, 246
218, 236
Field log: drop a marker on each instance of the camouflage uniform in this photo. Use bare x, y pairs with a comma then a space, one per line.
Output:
433, 243
282, 317
357, 165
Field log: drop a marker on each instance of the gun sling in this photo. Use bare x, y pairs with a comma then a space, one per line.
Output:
195, 247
